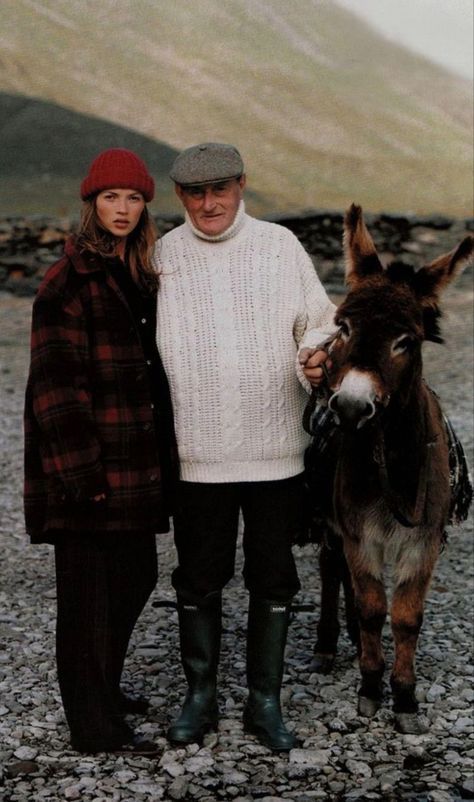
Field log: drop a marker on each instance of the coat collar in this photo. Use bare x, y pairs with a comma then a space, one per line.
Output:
89, 263
83, 261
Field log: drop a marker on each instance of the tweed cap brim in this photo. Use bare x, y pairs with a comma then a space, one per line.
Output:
207, 163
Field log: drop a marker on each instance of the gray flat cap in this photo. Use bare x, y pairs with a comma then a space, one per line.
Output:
206, 163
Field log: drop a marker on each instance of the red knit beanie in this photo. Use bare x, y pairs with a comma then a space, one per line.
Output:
118, 168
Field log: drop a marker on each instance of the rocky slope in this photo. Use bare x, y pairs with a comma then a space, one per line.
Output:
28, 245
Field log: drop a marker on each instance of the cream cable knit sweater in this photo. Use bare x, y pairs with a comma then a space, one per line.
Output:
232, 310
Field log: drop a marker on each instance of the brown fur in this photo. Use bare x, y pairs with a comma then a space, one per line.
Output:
391, 490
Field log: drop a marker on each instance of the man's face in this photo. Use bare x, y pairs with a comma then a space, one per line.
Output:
212, 208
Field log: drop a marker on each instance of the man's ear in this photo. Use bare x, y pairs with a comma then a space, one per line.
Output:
179, 191
242, 181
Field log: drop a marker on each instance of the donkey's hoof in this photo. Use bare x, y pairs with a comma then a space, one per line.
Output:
367, 707
411, 724
322, 663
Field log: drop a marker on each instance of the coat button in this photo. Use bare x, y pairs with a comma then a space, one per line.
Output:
153, 477
146, 427
143, 320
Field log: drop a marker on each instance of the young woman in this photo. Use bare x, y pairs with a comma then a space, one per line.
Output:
99, 445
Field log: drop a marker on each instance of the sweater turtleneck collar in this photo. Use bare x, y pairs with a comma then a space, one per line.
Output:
233, 229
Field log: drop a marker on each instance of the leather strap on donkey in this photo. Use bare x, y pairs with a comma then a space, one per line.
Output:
459, 480
398, 506
321, 394
318, 420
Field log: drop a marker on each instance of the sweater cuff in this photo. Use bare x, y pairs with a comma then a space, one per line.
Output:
314, 338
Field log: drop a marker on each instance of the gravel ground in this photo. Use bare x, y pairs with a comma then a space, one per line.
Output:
343, 757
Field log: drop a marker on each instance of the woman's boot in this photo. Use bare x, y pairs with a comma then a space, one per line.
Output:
200, 637
266, 639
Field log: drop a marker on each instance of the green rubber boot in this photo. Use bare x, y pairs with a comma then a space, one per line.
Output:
200, 638
266, 640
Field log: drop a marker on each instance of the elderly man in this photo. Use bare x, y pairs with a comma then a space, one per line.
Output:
237, 296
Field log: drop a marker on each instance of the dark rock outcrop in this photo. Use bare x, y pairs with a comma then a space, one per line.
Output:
29, 245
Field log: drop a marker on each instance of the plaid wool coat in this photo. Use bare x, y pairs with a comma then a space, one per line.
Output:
89, 422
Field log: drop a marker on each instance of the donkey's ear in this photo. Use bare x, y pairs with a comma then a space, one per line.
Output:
359, 249
431, 279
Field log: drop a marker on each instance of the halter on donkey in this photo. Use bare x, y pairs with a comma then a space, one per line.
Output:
386, 485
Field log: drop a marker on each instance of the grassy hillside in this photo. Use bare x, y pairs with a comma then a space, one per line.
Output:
323, 109
45, 150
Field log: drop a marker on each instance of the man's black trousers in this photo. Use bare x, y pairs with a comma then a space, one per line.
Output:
206, 528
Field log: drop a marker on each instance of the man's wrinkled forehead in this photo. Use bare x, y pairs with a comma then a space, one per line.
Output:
214, 186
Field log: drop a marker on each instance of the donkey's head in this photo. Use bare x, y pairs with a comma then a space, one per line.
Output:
382, 323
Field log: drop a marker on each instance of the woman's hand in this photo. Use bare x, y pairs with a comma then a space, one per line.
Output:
100, 497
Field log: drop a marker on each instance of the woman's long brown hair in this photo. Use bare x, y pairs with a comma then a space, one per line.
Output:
93, 237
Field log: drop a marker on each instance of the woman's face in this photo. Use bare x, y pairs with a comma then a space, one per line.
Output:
119, 210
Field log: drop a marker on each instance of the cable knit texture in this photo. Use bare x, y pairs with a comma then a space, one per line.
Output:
232, 310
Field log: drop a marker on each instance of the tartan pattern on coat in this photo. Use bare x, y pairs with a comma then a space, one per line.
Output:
89, 426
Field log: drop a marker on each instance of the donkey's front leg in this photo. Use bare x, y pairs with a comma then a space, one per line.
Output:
407, 618
371, 604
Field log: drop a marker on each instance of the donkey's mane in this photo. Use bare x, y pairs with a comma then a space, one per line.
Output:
400, 272
431, 317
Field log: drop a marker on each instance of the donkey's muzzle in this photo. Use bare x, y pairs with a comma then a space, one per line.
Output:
353, 403
350, 412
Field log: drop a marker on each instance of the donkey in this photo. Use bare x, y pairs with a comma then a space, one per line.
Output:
390, 486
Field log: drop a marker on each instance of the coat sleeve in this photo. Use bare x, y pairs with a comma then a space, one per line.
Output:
318, 319
59, 386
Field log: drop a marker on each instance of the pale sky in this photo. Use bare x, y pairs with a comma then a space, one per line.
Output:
441, 30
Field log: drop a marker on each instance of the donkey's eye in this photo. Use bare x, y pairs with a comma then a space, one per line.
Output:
403, 344
344, 328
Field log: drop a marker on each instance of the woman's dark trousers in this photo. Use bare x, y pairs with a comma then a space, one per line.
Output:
103, 583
